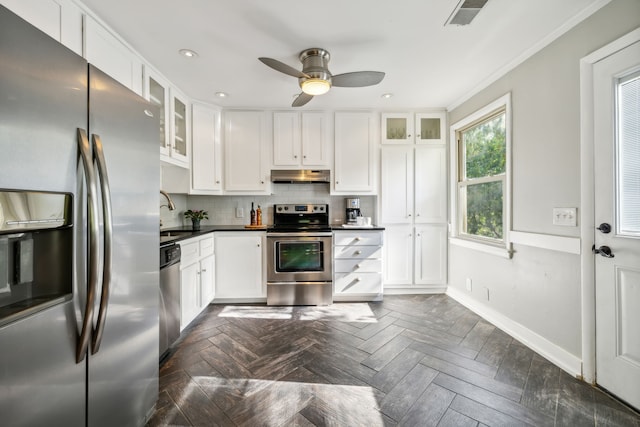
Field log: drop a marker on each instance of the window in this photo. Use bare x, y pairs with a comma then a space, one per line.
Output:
481, 175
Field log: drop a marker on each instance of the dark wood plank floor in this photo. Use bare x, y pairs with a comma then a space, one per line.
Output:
407, 361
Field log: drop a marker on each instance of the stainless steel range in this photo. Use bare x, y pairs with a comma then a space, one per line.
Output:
299, 256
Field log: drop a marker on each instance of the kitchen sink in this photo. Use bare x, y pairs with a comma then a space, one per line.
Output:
175, 233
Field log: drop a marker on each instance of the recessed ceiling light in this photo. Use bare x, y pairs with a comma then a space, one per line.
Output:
387, 95
221, 94
188, 53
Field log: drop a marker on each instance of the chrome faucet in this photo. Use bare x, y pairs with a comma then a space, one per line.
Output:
170, 204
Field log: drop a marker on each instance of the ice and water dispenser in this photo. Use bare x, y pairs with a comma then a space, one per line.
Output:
36, 252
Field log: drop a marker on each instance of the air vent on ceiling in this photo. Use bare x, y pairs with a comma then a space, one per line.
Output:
466, 10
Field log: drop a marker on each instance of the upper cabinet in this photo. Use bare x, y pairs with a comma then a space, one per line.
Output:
206, 164
405, 128
246, 157
175, 118
300, 140
104, 50
354, 162
60, 19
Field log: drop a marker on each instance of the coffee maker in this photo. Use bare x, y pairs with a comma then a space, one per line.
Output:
353, 210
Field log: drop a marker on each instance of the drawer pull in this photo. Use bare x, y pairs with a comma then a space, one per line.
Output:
358, 252
357, 239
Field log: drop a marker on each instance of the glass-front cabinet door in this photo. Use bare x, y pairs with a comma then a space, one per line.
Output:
430, 128
157, 92
180, 127
397, 128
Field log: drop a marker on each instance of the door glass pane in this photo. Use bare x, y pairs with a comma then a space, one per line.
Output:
156, 97
430, 128
628, 156
396, 128
299, 256
180, 136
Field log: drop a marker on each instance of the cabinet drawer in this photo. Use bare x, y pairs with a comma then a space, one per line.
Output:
359, 252
189, 251
351, 238
358, 283
206, 246
357, 265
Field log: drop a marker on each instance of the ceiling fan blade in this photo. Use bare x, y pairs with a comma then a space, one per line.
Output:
301, 99
282, 67
357, 79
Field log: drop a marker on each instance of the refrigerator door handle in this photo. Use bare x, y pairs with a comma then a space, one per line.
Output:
92, 261
105, 190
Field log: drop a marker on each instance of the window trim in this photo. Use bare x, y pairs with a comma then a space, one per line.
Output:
502, 248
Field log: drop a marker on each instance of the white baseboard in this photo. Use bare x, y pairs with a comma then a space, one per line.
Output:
555, 354
414, 290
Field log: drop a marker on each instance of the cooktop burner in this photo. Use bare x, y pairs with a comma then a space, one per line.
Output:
300, 218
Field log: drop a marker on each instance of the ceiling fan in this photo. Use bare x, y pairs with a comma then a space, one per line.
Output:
315, 77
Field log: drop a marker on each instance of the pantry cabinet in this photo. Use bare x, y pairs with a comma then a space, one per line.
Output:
354, 162
206, 150
300, 140
246, 157
413, 202
239, 266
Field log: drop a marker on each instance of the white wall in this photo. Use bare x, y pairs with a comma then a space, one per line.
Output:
539, 289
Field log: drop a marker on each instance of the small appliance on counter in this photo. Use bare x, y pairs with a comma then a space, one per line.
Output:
353, 211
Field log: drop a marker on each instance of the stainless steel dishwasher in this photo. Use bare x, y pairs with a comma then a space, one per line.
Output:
169, 296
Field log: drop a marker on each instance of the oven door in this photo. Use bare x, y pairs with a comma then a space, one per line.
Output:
299, 257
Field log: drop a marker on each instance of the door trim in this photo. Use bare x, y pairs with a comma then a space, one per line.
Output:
587, 197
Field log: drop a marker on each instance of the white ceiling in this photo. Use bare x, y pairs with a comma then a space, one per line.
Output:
427, 64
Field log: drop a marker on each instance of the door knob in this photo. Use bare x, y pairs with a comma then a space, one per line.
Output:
605, 251
604, 228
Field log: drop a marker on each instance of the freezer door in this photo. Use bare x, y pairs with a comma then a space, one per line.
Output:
123, 373
43, 97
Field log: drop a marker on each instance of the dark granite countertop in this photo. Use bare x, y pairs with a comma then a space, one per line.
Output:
175, 234
371, 227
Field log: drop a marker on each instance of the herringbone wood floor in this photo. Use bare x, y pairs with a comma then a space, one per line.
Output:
410, 360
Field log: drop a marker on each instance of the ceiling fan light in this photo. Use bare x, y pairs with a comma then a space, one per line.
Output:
314, 86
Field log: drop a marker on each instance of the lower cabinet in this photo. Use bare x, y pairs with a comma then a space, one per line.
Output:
415, 257
239, 266
197, 277
357, 265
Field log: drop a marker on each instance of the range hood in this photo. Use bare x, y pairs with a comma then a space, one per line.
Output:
304, 176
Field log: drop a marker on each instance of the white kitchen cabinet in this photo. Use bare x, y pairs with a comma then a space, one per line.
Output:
430, 254
354, 163
180, 130
197, 276
397, 128
60, 19
206, 150
430, 128
300, 140
397, 184
156, 91
357, 265
106, 51
405, 128
239, 266
246, 157
398, 256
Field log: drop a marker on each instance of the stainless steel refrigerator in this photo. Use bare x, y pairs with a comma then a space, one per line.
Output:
79, 182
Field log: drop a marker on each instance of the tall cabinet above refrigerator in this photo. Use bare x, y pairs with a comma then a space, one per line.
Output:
79, 180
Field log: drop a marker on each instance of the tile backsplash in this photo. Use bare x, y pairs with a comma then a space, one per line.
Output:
222, 209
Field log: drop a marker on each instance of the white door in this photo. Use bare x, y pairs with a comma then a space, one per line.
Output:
617, 204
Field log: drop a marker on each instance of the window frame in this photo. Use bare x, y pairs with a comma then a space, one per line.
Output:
502, 247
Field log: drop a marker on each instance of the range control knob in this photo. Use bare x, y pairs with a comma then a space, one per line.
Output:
279, 208
315, 208
286, 208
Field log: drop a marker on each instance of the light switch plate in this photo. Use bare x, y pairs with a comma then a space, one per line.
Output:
565, 216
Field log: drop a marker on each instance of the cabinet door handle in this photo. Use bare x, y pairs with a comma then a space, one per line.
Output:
304, 157
217, 181
204, 270
409, 215
358, 252
198, 272
417, 214
418, 135
408, 136
358, 279
357, 239
295, 156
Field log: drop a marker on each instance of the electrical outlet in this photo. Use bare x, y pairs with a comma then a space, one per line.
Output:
469, 284
565, 216
239, 212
